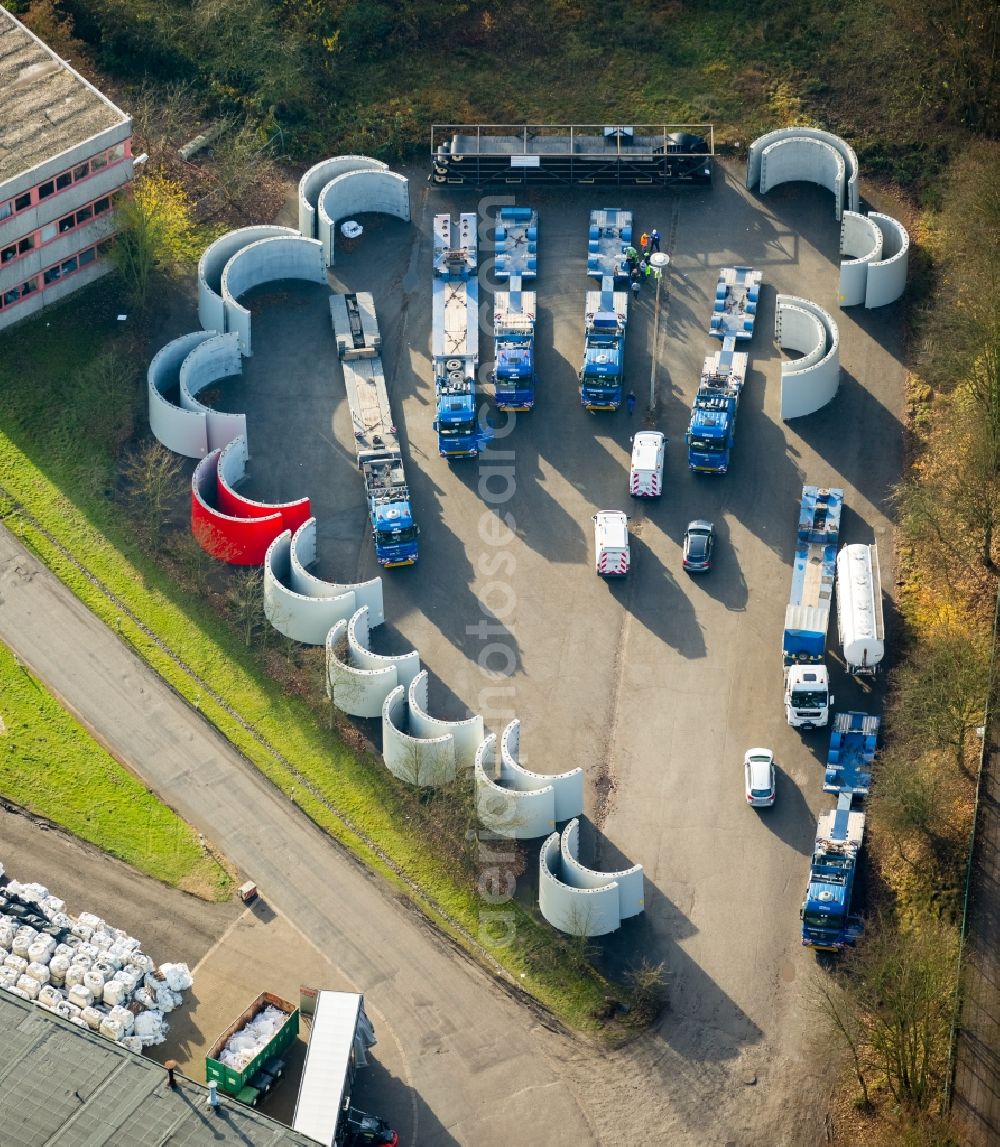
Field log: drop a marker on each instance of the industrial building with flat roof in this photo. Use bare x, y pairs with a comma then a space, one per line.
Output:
65, 1086
65, 150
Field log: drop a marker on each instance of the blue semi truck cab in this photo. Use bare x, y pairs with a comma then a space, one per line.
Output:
602, 372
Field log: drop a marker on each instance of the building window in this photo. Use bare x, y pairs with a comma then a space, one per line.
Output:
84, 214
88, 256
46, 189
64, 180
29, 288
6, 209
50, 276
49, 232
97, 162
8, 253
23, 202
69, 266
11, 296
102, 205
67, 223
82, 171
25, 245
117, 152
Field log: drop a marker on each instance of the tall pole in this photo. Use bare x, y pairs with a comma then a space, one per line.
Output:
659, 262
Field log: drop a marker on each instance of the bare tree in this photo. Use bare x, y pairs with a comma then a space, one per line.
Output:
246, 600
843, 1016
152, 476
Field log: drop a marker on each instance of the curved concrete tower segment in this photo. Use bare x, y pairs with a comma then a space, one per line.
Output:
217, 357
861, 241
578, 900
467, 734
183, 431
358, 681
810, 382
410, 757
518, 803
355, 193
793, 153
226, 524
303, 606
266, 261
887, 276
318, 176
211, 310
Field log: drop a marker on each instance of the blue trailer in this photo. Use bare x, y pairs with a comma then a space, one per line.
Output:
827, 923
853, 740
514, 310
455, 337
736, 295
376, 442
602, 373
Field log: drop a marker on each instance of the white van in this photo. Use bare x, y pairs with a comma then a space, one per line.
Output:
645, 479
611, 543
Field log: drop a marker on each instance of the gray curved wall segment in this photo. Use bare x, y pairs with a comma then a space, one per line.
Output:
411, 758
302, 618
518, 803
768, 164
579, 900
357, 680
368, 593
183, 431
810, 382
318, 176
302, 606
211, 312
861, 241
467, 734
266, 261
887, 277
357, 192
215, 358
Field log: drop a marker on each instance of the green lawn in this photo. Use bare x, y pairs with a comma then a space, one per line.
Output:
53, 768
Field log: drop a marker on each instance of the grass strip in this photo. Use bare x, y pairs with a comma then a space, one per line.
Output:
51, 766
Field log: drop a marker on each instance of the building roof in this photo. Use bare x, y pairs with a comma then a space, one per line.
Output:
48, 106
63, 1086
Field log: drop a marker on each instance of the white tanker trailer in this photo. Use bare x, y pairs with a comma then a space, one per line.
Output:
859, 609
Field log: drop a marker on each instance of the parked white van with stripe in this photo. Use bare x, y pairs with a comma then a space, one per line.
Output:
645, 478
611, 543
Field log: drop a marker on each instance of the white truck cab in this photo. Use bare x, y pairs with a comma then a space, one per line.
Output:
613, 556
807, 696
645, 478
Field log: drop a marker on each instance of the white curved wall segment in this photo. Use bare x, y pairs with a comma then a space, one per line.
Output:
467, 735
861, 241
217, 357
356, 192
267, 261
183, 431
521, 804
302, 618
810, 382
301, 581
887, 277
578, 900
518, 814
804, 163
211, 312
406, 665
318, 176
357, 680
414, 759
799, 158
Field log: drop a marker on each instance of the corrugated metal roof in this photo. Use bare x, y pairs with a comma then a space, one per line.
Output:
47, 106
330, 1042
66, 1087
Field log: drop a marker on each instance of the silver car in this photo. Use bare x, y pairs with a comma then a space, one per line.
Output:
699, 541
758, 772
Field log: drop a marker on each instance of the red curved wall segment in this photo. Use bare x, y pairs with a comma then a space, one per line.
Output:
235, 529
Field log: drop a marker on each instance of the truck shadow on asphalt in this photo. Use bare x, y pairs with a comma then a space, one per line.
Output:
379, 1092
655, 600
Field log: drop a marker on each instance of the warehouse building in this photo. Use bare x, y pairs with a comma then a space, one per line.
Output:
65, 151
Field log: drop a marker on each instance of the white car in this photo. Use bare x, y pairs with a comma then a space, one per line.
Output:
758, 772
